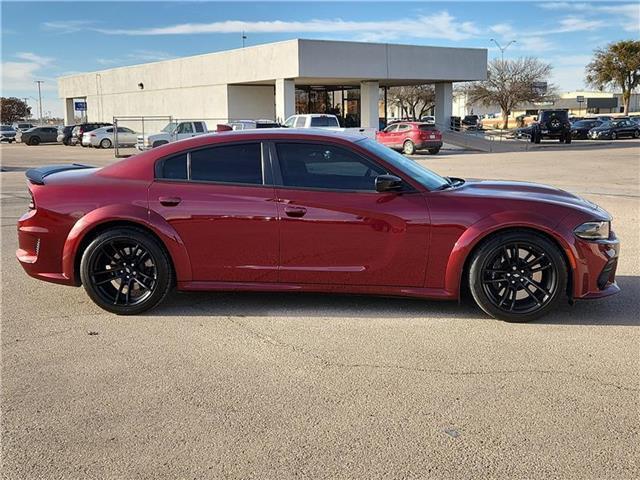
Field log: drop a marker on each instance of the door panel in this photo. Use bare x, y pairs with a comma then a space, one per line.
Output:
230, 231
353, 238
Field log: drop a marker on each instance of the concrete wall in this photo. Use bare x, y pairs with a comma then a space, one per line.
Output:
246, 102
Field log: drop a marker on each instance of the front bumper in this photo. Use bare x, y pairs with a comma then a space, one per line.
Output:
595, 268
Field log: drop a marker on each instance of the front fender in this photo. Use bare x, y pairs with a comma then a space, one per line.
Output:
491, 224
126, 213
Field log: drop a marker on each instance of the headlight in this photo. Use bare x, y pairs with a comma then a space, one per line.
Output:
593, 230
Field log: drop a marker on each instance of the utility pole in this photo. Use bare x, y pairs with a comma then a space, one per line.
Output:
244, 37
502, 49
24, 99
40, 82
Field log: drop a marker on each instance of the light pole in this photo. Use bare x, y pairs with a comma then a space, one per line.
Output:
40, 82
502, 49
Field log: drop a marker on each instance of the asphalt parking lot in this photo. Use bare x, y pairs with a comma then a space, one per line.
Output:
312, 386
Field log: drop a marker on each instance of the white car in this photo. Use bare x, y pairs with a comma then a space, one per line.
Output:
105, 137
172, 132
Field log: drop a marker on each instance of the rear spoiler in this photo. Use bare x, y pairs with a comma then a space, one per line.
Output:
37, 175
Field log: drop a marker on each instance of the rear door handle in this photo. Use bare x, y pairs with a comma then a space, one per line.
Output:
295, 212
170, 201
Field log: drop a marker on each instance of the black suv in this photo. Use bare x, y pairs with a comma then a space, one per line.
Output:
552, 124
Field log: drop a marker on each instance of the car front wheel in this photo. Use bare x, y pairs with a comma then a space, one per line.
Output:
126, 271
517, 276
34, 141
614, 136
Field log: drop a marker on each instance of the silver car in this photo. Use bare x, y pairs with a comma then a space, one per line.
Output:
7, 133
105, 137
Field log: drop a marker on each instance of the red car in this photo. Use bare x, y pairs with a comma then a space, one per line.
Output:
283, 211
411, 136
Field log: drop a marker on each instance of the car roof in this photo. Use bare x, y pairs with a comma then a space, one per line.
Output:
266, 133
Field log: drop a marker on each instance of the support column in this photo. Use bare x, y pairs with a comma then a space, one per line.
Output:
444, 105
285, 99
69, 112
369, 98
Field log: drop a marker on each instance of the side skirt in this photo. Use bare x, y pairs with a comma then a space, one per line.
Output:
431, 293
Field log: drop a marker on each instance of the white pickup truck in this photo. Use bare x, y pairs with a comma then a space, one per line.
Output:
172, 132
325, 122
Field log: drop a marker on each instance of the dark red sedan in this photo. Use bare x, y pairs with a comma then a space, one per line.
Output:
282, 211
411, 136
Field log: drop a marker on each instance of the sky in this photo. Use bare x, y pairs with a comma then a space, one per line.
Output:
45, 40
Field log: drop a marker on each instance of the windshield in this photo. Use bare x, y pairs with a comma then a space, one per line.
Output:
170, 127
426, 177
6, 128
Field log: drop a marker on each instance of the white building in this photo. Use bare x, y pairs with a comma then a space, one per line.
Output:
274, 81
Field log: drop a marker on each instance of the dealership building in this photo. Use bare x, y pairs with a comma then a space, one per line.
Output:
273, 81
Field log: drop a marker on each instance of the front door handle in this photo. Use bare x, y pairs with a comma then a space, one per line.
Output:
295, 212
170, 201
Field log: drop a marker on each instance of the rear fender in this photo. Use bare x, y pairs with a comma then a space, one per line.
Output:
494, 223
126, 213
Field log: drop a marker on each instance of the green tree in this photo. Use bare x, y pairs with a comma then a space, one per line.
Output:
510, 83
616, 66
13, 109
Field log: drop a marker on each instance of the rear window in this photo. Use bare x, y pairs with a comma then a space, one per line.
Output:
544, 116
427, 127
173, 168
228, 164
324, 122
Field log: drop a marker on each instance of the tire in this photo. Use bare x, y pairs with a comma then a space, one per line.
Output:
493, 280
34, 141
614, 136
434, 151
408, 147
105, 143
636, 134
538, 138
567, 139
131, 255
159, 143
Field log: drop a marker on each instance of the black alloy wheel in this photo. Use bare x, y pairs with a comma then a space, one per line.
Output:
518, 276
125, 271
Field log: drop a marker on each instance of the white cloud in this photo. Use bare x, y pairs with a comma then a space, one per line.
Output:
21, 75
626, 15
440, 25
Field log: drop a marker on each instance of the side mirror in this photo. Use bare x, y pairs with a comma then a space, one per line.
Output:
388, 183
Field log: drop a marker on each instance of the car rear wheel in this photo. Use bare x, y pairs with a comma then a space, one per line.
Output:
126, 271
567, 138
105, 143
34, 141
408, 147
517, 276
434, 151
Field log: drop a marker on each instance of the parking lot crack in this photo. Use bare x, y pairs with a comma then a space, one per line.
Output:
329, 364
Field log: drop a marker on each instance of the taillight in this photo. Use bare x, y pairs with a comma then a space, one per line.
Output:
32, 202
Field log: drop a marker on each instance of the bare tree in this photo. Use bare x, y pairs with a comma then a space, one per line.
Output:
617, 65
510, 83
414, 101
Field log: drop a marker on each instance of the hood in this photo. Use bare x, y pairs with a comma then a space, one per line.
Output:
603, 128
532, 192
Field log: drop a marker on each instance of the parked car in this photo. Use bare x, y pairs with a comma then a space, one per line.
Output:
322, 212
411, 136
325, 121
79, 130
172, 132
635, 119
7, 134
552, 124
23, 126
615, 129
104, 137
64, 134
251, 124
471, 122
580, 129
429, 119
38, 135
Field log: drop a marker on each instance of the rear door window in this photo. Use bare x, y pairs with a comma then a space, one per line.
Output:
240, 163
300, 121
172, 168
